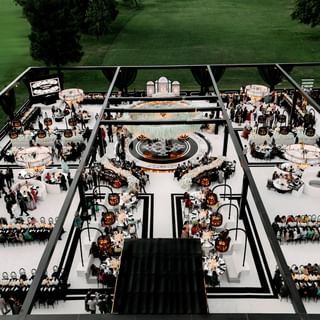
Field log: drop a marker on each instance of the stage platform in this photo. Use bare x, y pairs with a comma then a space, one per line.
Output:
161, 276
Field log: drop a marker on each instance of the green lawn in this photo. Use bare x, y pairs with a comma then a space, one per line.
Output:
178, 32
14, 49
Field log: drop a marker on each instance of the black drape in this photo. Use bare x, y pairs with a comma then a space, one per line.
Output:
161, 276
202, 76
8, 103
125, 77
272, 75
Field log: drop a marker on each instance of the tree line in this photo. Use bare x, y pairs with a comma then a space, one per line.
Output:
57, 25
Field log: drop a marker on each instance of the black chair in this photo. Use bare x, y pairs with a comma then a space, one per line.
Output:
270, 184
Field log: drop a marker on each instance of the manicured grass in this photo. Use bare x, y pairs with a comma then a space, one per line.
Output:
14, 49
178, 32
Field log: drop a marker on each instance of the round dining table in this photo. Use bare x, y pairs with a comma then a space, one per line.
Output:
282, 185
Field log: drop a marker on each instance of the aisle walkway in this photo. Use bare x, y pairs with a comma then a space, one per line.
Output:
162, 186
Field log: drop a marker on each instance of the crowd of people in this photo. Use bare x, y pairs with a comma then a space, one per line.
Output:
25, 231
59, 178
297, 228
95, 300
26, 199
185, 167
14, 288
306, 278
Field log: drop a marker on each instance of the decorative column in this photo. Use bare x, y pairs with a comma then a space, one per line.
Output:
244, 195
225, 140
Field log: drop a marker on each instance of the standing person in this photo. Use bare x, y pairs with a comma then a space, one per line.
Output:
7, 176
86, 299
4, 306
94, 177
110, 133
63, 182
12, 195
142, 186
34, 193
22, 203
53, 110
29, 200
9, 205
92, 304
40, 125
109, 303
102, 304
82, 122
86, 134
77, 222
64, 165
122, 142
10, 171
59, 147
83, 179
69, 178
2, 184
89, 180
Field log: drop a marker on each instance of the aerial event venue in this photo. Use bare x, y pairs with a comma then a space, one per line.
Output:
151, 198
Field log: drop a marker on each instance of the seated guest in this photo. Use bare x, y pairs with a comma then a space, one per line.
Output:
185, 232
47, 177
94, 250
275, 175
132, 230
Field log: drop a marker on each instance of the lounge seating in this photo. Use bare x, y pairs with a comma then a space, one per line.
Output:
26, 232
296, 229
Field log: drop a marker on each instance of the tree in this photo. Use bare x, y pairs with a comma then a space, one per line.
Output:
55, 31
81, 7
307, 12
99, 16
20, 2
131, 3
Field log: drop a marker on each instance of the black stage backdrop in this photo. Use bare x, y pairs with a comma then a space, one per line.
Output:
161, 276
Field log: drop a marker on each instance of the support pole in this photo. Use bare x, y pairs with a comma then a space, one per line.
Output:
88, 227
82, 198
81, 253
225, 141
244, 195
245, 251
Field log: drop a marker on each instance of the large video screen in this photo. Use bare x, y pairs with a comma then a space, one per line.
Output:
45, 87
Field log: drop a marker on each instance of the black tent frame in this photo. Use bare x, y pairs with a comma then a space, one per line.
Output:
248, 183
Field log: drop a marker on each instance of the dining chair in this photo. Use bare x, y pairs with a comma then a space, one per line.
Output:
5, 275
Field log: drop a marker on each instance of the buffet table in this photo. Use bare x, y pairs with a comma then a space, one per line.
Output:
131, 180
186, 180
